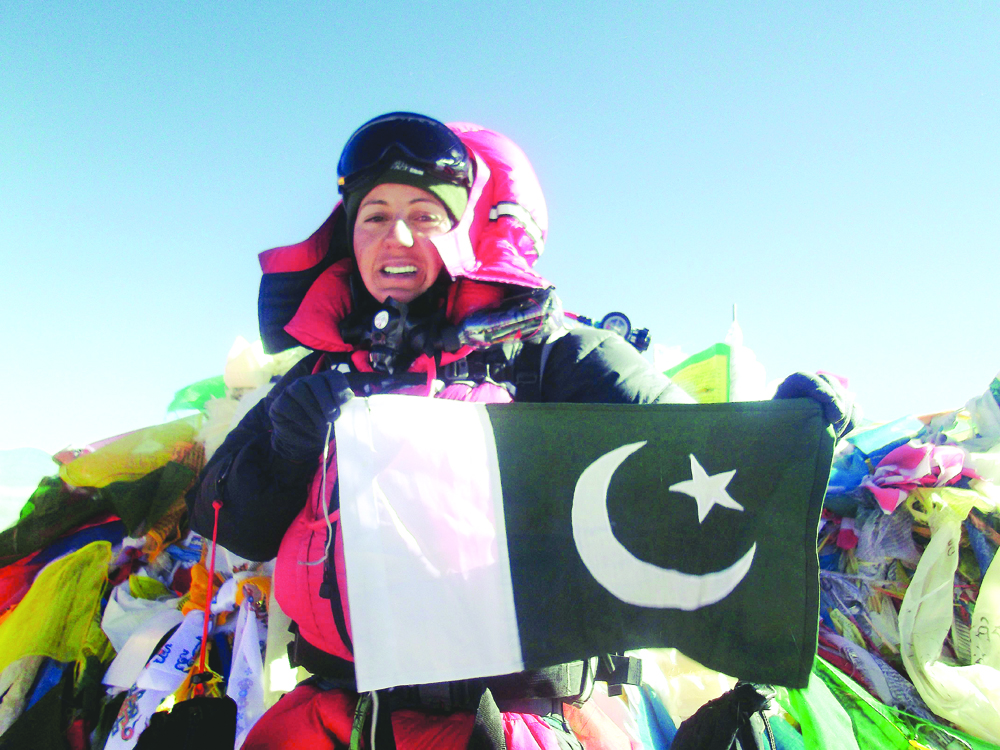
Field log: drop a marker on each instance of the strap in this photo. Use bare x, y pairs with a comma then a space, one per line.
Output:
362, 711
520, 214
382, 717
487, 732
528, 373
199, 677
736, 720
477, 366
558, 681
331, 668
754, 732
199, 722
330, 589
618, 670
372, 725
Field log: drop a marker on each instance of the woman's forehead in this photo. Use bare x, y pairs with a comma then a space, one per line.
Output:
391, 192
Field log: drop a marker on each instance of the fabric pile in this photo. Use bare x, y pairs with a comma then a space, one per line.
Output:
103, 588
908, 640
106, 527
103, 593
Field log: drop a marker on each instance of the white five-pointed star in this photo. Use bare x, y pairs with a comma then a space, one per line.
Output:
707, 490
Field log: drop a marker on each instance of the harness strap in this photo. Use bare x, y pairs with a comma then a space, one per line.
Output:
330, 589
618, 670
528, 373
561, 681
384, 738
556, 683
331, 668
487, 732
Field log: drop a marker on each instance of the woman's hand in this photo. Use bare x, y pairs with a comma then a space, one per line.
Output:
838, 404
299, 416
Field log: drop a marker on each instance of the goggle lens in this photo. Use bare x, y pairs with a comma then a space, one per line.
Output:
425, 141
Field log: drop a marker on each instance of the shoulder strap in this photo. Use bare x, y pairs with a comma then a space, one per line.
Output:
487, 731
528, 372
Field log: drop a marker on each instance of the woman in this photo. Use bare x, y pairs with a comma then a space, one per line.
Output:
438, 229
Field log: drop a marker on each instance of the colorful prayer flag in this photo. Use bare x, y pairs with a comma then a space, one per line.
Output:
705, 376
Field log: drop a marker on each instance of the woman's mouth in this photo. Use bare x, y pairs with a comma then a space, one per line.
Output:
399, 270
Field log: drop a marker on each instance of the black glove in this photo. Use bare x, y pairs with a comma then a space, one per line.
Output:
300, 414
838, 405
733, 720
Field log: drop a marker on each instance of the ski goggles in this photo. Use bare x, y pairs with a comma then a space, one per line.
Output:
418, 140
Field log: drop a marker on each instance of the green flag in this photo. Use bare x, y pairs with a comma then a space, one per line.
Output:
580, 529
705, 376
196, 395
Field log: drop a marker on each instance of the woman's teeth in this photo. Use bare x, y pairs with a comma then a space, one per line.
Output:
399, 269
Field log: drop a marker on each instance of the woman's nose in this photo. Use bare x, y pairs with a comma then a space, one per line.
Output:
402, 234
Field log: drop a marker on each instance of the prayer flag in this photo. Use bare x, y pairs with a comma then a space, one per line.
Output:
705, 376
196, 395
487, 539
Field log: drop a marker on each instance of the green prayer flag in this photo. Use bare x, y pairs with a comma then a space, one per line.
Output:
705, 376
58, 508
55, 510
196, 395
835, 711
141, 503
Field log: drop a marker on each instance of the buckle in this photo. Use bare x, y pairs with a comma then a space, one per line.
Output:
618, 670
457, 370
435, 696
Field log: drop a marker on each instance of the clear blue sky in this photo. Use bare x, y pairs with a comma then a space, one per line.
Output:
833, 168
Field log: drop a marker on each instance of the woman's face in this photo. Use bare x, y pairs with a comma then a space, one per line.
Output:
392, 244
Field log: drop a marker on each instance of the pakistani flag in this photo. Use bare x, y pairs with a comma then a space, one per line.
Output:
488, 539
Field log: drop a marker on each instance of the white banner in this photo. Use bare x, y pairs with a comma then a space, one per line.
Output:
161, 677
246, 676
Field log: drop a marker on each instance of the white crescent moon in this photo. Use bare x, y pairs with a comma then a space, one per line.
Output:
632, 580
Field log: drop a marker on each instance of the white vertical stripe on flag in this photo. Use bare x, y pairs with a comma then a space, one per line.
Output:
428, 574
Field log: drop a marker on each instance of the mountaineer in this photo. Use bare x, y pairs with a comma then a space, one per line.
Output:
421, 282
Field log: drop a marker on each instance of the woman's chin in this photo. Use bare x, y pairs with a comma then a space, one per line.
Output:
401, 291
406, 296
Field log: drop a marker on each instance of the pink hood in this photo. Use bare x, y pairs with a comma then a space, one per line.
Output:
304, 291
